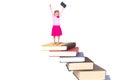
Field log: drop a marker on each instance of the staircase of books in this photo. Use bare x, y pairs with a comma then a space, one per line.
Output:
83, 68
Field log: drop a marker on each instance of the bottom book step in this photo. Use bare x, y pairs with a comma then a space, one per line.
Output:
97, 73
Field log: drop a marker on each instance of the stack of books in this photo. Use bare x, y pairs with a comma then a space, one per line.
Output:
66, 51
81, 66
87, 70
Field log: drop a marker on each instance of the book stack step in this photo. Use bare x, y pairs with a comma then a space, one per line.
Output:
70, 52
97, 73
78, 58
60, 46
87, 65
81, 66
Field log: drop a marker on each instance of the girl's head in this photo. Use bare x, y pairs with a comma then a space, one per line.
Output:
56, 13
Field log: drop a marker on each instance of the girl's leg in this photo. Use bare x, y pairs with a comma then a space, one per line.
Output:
54, 39
58, 39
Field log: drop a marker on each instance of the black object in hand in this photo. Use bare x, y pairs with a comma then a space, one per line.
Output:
63, 4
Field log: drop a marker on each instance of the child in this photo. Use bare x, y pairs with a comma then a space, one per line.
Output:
56, 29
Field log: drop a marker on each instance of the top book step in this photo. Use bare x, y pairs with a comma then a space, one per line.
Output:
60, 46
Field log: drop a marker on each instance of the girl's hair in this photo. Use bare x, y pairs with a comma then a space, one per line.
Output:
56, 11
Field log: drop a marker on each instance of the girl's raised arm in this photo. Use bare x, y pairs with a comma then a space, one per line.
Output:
62, 11
51, 10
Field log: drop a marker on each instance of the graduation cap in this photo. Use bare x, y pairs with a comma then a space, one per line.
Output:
63, 4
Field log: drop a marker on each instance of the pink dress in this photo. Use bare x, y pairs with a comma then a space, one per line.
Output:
56, 29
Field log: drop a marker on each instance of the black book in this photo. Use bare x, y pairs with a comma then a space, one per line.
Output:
63, 4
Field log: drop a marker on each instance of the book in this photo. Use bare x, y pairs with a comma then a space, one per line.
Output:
70, 52
61, 46
107, 77
63, 4
97, 73
79, 58
87, 65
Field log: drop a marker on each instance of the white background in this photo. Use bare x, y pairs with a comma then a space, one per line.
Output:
26, 24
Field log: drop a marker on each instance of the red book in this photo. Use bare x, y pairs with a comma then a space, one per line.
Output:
70, 52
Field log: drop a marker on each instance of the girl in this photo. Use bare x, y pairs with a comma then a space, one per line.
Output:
56, 29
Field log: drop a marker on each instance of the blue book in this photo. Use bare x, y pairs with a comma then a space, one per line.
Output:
107, 77
79, 58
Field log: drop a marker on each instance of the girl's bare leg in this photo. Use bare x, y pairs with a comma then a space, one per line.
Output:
54, 39
58, 39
